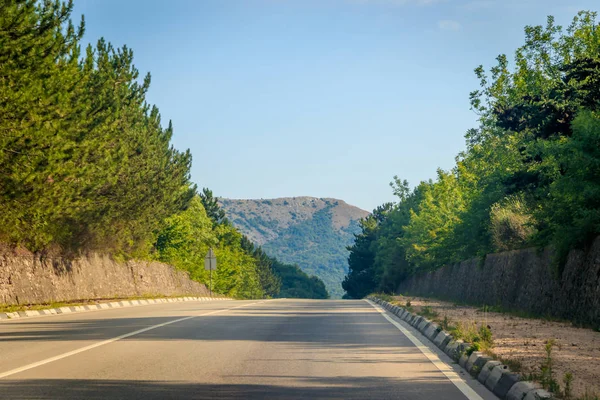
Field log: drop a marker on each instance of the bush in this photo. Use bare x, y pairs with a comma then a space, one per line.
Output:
445, 324
428, 312
473, 348
511, 224
547, 375
481, 337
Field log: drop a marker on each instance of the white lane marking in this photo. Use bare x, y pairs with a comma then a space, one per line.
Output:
108, 341
445, 369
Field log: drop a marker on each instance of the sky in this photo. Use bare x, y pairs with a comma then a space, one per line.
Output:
324, 98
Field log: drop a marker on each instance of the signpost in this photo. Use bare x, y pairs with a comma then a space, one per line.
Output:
210, 264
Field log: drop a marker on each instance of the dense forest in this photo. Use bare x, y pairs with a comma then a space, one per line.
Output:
318, 247
86, 164
530, 174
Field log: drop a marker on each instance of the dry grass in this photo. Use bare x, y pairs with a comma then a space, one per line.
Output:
521, 342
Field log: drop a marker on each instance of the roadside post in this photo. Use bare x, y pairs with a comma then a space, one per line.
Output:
210, 264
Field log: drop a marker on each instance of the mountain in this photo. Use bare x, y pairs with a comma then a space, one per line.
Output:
308, 231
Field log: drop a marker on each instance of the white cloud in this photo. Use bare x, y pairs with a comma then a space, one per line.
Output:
449, 25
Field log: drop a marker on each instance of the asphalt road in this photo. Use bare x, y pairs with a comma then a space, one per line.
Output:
281, 349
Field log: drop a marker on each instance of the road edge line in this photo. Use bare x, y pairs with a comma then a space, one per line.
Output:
433, 358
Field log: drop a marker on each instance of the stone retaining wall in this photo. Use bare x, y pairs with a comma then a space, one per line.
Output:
32, 279
520, 280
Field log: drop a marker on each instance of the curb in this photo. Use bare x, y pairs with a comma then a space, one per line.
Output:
498, 378
101, 306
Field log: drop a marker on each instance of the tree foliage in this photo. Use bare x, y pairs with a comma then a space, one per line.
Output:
295, 283
317, 246
86, 163
211, 205
243, 269
529, 175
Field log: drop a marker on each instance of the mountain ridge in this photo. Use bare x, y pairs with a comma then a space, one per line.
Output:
312, 232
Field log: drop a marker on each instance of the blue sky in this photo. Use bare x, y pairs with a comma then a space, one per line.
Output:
327, 98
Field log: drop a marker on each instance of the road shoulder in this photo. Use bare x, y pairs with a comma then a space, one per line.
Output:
469, 386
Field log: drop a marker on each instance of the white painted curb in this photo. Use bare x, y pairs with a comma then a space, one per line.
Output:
496, 377
102, 306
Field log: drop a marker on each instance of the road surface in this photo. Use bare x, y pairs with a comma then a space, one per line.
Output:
279, 349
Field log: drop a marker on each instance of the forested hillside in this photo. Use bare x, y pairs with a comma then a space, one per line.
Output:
310, 232
86, 164
530, 174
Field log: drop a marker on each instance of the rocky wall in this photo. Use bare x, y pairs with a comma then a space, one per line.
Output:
33, 279
520, 280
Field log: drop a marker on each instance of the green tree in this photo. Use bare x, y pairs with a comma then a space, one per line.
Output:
572, 211
556, 77
428, 235
212, 207
38, 64
269, 281
360, 279
185, 239
529, 174
85, 162
295, 283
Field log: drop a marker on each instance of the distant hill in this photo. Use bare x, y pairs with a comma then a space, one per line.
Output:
308, 231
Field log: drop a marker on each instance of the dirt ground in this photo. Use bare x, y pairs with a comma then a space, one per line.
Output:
522, 339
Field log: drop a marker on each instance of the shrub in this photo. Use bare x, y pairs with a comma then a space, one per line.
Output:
428, 312
511, 223
445, 324
568, 380
485, 335
474, 347
480, 337
546, 377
